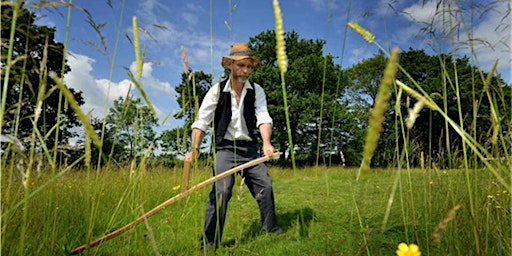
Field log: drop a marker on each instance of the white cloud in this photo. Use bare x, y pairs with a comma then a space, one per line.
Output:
385, 8
422, 12
148, 81
100, 93
487, 27
321, 5
359, 53
318, 5
96, 92
491, 42
190, 18
150, 7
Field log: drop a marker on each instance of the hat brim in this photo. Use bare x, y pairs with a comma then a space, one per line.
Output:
226, 60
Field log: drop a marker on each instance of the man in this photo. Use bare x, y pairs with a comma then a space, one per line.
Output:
236, 107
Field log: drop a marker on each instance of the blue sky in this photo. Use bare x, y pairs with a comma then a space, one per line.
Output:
207, 28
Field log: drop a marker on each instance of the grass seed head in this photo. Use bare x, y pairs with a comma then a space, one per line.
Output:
378, 110
436, 235
136, 46
185, 59
282, 59
365, 34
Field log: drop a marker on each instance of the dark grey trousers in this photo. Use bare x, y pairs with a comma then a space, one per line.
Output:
257, 180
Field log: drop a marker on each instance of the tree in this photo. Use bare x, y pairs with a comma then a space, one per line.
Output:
430, 134
36, 54
132, 124
110, 148
191, 91
175, 141
312, 79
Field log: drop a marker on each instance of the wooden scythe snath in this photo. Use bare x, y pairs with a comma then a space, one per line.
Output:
185, 181
172, 200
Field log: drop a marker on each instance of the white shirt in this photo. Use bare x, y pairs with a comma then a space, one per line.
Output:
237, 129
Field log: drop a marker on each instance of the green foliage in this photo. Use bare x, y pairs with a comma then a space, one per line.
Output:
175, 141
131, 123
126, 133
165, 160
191, 91
111, 150
436, 76
193, 84
35, 54
304, 78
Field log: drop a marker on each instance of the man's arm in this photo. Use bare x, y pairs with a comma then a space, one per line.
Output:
205, 117
266, 134
197, 138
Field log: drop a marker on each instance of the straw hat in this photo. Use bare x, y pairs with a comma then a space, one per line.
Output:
240, 51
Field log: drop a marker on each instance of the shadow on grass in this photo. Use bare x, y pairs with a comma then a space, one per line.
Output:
299, 219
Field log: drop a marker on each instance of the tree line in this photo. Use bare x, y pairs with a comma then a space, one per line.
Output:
314, 83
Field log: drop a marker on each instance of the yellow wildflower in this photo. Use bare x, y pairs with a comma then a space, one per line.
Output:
408, 250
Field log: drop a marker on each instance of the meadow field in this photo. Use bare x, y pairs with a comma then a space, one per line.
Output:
323, 211
50, 206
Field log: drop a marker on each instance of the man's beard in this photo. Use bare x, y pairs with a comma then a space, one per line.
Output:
240, 79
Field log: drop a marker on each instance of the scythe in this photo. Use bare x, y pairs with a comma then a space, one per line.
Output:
172, 200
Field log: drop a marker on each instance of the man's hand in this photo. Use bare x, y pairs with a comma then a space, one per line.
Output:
266, 131
268, 150
197, 137
191, 155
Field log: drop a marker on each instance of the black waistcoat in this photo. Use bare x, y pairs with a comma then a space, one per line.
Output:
223, 113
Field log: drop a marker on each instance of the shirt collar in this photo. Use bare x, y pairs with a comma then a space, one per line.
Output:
228, 88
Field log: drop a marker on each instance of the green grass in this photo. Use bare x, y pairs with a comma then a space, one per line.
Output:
326, 214
323, 211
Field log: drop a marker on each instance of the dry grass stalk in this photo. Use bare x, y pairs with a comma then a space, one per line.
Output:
178, 138
53, 4
185, 59
8, 3
413, 113
20, 166
494, 116
88, 156
342, 157
13, 62
195, 98
241, 189
436, 235
142, 92
429, 103
42, 78
150, 233
74, 105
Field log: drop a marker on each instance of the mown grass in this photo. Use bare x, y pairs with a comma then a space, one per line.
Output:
327, 214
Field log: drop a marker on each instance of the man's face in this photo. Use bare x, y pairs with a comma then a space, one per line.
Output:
240, 69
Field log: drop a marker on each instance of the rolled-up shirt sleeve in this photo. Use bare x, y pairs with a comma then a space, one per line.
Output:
207, 109
260, 104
